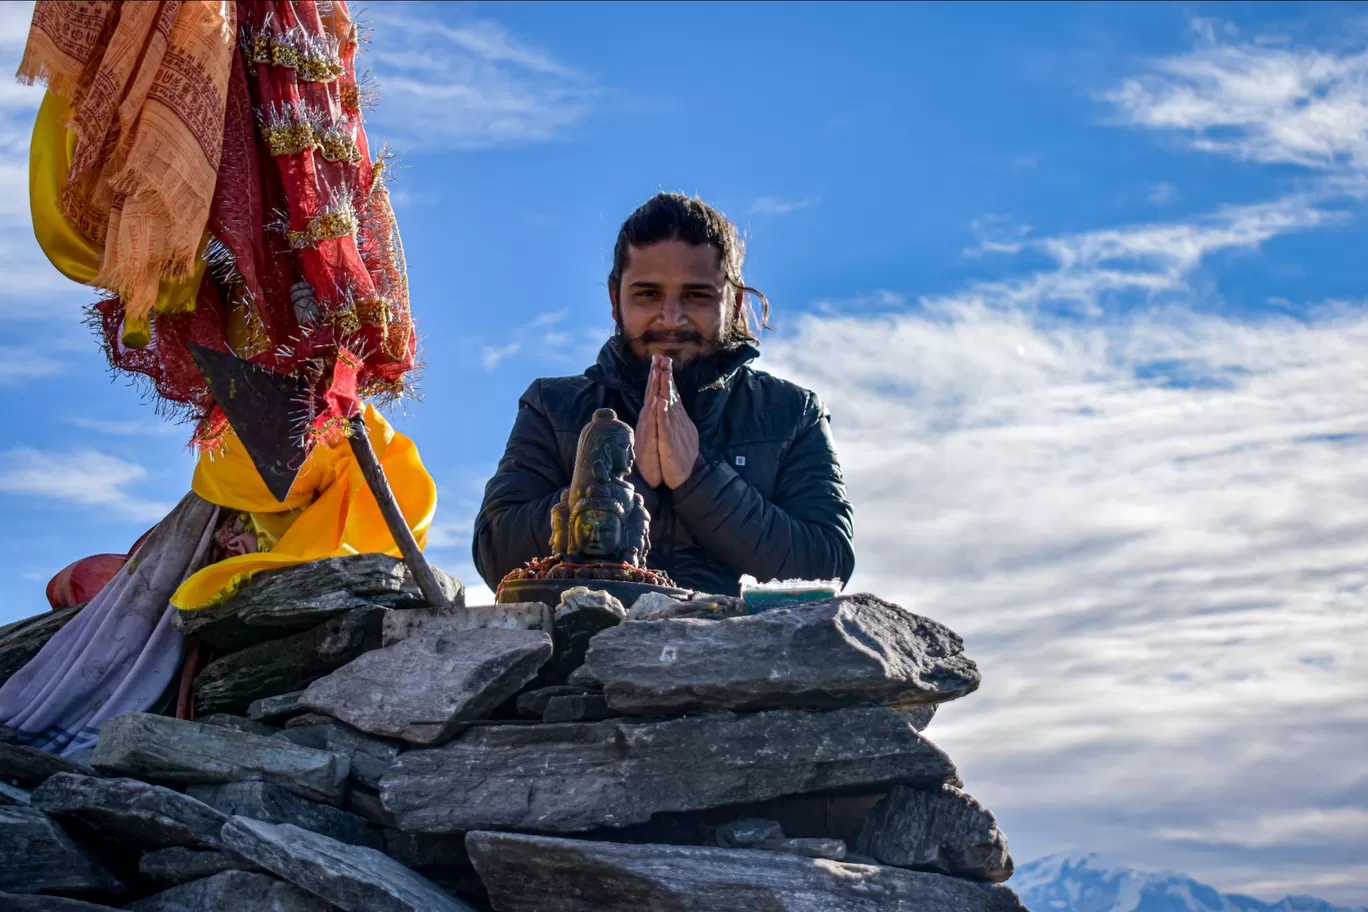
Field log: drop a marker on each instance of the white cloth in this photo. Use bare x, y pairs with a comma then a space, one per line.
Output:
120, 653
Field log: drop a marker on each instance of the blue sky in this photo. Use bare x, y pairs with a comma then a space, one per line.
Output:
1083, 285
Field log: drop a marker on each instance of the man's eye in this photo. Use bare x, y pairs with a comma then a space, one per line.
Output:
646, 293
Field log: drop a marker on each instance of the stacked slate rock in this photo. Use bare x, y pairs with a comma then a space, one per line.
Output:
684, 756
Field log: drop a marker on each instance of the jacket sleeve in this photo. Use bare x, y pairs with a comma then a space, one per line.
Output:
805, 532
514, 524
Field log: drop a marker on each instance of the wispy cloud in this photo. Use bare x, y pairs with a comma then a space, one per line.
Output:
776, 205
491, 355
82, 477
129, 428
1162, 193
1149, 531
20, 365
1147, 520
1258, 101
472, 85
1152, 259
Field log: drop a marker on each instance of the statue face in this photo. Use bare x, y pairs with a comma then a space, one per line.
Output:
598, 534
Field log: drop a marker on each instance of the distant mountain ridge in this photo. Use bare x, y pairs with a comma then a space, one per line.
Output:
1094, 883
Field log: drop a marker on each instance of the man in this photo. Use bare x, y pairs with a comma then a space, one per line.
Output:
737, 467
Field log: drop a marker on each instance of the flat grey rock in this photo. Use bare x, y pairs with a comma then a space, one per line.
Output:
366, 804
162, 749
579, 776
274, 710
583, 613
180, 865
353, 878
547, 874
37, 856
850, 650
14, 796
22, 640
128, 810
31, 766
240, 891
309, 720
920, 716
370, 756
238, 723
234, 682
300, 597
402, 624
423, 688
940, 829
14, 902
578, 708
271, 803
532, 704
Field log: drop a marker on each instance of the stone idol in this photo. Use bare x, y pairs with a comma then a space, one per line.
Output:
600, 530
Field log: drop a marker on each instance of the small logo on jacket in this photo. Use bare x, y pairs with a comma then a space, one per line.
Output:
740, 460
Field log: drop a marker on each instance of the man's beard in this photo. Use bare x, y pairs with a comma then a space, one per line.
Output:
688, 377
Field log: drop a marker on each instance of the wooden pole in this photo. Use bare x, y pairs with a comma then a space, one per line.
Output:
374, 474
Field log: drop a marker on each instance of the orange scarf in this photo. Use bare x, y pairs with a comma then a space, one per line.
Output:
147, 83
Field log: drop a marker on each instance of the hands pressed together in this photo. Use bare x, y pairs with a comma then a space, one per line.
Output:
666, 438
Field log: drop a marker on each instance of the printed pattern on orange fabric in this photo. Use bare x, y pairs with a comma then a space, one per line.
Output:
147, 84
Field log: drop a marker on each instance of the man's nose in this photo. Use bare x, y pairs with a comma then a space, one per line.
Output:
673, 312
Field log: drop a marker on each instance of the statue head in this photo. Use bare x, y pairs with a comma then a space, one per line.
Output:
597, 531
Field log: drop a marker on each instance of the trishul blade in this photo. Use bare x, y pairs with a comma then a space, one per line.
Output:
266, 410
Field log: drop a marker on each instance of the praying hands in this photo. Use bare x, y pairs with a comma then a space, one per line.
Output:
666, 438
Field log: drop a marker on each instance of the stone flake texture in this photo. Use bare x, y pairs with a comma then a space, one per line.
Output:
424, 687
547, 874
162, 749
940, 829
131, 810
845, 651
353, 878
578, 776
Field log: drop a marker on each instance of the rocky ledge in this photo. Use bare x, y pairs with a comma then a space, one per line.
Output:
354, 750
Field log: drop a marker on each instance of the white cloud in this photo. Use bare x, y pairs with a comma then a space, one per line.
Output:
775, 205
20, 365
83, 477
1153, 260
1257, 101
491, 355
468, 86
137, 427
1149, 529
1162, 193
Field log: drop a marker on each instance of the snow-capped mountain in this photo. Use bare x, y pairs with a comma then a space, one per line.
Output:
1093, 883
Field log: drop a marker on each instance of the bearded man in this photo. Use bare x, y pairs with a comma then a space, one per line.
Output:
737, 467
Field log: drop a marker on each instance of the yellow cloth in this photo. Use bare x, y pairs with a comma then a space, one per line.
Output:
78, 259
338, 514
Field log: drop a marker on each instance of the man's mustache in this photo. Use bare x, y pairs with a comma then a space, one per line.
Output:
677, 337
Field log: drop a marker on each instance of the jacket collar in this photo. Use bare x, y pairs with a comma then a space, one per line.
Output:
616, 368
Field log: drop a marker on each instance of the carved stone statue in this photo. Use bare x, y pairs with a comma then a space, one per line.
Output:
600, 529
600, 518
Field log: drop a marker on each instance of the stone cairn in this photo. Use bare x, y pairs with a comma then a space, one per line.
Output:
356, 750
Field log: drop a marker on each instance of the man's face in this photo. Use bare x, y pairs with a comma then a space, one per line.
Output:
673, 301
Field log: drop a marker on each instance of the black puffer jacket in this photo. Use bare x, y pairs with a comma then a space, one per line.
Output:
770, 500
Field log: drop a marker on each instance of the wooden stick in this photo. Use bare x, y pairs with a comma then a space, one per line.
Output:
374, 474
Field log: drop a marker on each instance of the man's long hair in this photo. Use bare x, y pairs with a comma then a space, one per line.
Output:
676, 217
